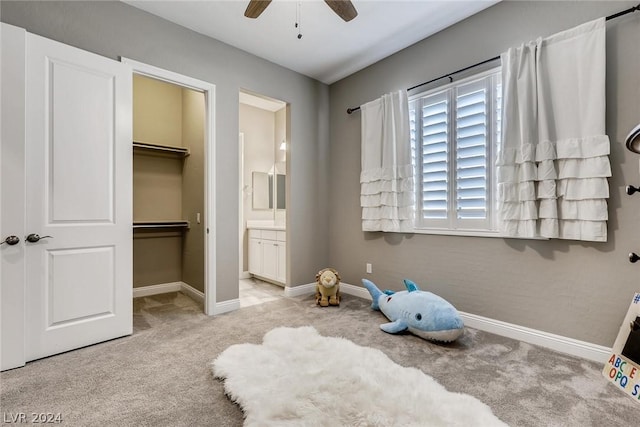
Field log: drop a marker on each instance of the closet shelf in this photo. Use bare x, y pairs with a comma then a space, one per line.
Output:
161, 149
161, 224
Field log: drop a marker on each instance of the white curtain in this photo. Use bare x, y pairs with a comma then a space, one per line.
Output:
553, 161
386, 179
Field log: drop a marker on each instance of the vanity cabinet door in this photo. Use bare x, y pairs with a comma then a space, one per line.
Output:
270, 259
255, 256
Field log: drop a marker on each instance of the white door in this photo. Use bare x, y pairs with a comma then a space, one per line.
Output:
255, 256
79, 192
270, 259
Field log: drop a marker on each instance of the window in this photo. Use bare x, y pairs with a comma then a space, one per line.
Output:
454, 134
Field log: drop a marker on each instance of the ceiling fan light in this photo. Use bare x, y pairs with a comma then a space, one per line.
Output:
633, 140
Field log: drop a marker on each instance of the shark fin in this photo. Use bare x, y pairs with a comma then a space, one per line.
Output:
411, 287
394, 327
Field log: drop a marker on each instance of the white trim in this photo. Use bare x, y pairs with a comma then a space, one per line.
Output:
310, 289
241, 229
583, 349
166, 75
192, 292
209, 91
357, 291
469, 233
573, 347
296, 291
162, 288
226, 306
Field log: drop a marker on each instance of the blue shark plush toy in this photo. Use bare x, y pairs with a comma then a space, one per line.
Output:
421, 313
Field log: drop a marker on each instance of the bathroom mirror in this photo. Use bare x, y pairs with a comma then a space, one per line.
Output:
264, 190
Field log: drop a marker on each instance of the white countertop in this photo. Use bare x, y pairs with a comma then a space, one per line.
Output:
265, 225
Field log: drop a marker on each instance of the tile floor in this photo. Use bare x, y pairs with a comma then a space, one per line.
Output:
254, 291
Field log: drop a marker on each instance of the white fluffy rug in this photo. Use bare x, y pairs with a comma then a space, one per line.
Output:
300, 378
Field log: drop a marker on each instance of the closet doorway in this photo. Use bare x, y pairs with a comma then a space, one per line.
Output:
264, 141
173, 188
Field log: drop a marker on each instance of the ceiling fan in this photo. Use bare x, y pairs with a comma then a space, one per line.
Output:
343, 8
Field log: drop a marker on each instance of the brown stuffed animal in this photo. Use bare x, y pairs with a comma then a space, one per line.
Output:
327, 287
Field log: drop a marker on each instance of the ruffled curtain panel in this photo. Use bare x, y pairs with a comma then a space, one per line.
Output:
386, 179
553, 161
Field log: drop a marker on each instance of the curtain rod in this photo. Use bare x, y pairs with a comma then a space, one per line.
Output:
495, 58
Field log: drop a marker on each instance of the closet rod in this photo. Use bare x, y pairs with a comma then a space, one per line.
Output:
495, 58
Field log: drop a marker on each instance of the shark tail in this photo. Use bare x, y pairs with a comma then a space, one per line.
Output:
374, 291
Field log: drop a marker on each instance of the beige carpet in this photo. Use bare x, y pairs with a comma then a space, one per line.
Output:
160, 376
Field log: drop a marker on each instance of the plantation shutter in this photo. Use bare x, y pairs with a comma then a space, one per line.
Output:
435, 158
472, 143
453, 132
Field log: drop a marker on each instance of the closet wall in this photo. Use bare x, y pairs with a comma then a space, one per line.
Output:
167, 186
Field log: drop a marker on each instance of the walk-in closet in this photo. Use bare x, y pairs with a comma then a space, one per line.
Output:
168, 188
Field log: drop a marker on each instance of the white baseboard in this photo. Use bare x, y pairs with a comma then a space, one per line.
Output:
192, 292
583, 349
161, 288
296, 291
356, 291
226, 306
245, 275
310, 288
164, 288
586, 350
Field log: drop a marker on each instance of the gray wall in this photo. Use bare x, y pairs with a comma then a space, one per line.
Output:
575, 289
114, 29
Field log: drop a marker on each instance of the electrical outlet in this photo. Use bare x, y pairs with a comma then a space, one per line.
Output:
369, 268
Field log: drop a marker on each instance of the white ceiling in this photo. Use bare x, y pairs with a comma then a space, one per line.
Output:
330, 48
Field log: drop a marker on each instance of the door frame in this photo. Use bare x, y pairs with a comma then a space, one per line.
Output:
209, 91
242, 273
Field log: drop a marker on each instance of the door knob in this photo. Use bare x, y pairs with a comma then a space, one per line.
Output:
34, 238
11, 240
633, 257
631, 189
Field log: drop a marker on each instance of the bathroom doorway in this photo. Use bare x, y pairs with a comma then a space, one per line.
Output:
263, 152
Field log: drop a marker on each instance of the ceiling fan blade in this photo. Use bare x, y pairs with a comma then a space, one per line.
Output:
255, 8
343, 8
